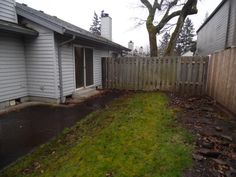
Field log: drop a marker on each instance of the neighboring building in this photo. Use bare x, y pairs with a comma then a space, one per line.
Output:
188, 54
45, 58
218, 32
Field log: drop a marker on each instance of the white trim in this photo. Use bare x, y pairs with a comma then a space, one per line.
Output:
83, 46
84, 67
73, 55
81, 88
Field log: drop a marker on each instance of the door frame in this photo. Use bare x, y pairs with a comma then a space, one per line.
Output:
84, 87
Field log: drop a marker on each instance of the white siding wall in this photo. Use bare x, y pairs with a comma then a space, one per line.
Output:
97, 63
13, 82
41, 63
68, 67
7, 11
68, 70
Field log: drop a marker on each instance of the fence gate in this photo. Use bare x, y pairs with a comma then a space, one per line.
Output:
177, 74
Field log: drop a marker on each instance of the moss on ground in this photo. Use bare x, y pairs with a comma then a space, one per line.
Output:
134, 136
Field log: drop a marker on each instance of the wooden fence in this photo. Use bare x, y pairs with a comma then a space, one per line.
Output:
221, 82
178, 74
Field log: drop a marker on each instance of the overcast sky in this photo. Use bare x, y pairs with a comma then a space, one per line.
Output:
123, 12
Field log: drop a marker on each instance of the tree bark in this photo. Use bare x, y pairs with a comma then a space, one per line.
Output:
153, 42
172, 43
189, 8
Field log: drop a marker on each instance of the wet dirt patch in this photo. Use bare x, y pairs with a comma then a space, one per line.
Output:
215, 136
23, 130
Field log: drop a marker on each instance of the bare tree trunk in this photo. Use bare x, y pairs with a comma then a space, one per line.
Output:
152, 32
153, 43
172, 43
189, 8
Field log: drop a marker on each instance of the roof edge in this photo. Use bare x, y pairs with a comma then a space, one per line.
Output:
107, 42
37, 19
63, 29
15, 28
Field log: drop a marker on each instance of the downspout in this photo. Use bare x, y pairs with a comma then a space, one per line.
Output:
60, 67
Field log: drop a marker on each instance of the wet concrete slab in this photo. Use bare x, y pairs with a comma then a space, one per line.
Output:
23, 130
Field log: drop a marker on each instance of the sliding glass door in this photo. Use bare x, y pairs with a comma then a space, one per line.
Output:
83, 67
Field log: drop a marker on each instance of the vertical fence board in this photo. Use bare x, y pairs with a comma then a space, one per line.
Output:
148, 74
140, 74
221, 80
158, 87
136, 75
200, 83
153, 74
163, 74
180, 74
173, 80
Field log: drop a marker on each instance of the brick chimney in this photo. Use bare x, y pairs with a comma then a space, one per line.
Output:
106, 26
8, 11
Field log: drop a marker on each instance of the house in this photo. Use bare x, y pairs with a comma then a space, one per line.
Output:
43, 58
218, 32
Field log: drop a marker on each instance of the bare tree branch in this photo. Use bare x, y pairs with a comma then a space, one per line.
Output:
147, 4
167, 6
188, 9
168, 27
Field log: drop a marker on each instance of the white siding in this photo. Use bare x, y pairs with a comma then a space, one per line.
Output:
13, 82
68, 67
7, 11
68, 70
97, 65
41, 63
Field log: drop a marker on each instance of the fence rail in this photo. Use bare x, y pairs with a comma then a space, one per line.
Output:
221, 82
177, 74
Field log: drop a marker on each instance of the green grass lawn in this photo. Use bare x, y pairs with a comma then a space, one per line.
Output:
135, 136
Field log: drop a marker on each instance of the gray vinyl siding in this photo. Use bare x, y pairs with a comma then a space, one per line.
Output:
231, 41
97, 62
68, 70
220, 31
7, 11
68, 67
212, 36
41, 63
13, 83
